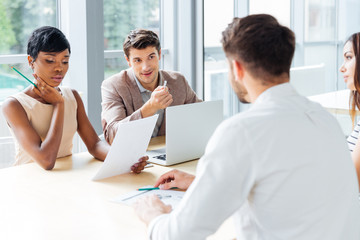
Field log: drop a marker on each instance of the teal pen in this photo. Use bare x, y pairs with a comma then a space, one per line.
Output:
152, 188
147, 189
24, 77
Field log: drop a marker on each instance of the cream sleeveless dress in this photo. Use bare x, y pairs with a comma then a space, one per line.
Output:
40, 114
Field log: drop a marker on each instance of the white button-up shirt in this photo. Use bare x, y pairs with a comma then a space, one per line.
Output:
281, 169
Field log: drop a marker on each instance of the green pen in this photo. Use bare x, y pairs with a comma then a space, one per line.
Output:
24, 77
149, 188
152, 188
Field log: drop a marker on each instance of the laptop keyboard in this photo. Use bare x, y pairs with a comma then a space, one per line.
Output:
161, 157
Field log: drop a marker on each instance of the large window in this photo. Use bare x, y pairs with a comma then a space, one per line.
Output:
318, 47
18, 18
314, 69
216, 84
280, 9
320, 20
121, 16
320, 27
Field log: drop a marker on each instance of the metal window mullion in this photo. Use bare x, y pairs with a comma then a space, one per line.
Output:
13, 59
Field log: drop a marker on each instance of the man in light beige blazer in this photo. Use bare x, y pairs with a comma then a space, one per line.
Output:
142, 90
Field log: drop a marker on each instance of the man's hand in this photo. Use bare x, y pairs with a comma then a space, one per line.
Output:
140, 165
175, 178
149, 207
160, 99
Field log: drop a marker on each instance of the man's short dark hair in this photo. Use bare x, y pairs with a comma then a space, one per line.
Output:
46, 39
140, 39
259, 42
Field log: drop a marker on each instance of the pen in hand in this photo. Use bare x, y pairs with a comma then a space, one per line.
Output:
26, 77
165, 82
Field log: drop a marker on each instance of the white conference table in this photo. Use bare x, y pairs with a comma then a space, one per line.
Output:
65, 203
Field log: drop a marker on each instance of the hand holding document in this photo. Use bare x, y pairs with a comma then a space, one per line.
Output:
130, 144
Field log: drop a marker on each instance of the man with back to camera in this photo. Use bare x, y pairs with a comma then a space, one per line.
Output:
281, 169
139, 91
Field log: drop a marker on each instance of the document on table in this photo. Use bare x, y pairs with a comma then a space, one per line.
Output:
129, 145
170, 197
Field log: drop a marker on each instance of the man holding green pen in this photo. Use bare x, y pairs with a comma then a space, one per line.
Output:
142, 90
282, 169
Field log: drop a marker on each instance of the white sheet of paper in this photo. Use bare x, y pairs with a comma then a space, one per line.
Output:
171, 197
130, 144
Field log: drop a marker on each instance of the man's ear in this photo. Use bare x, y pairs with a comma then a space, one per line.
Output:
238, 70
160, 54
127, 59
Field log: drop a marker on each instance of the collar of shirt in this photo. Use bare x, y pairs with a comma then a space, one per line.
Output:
141, 88
280, 90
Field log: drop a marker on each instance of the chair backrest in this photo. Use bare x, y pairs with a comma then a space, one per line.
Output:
308, 80
7, 150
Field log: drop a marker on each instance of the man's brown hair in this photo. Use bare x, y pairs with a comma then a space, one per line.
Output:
259, 42
140, 39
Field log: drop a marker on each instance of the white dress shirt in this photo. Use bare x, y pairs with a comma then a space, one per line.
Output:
281, 169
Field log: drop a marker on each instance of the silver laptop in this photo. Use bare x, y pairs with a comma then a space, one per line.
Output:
188, 129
